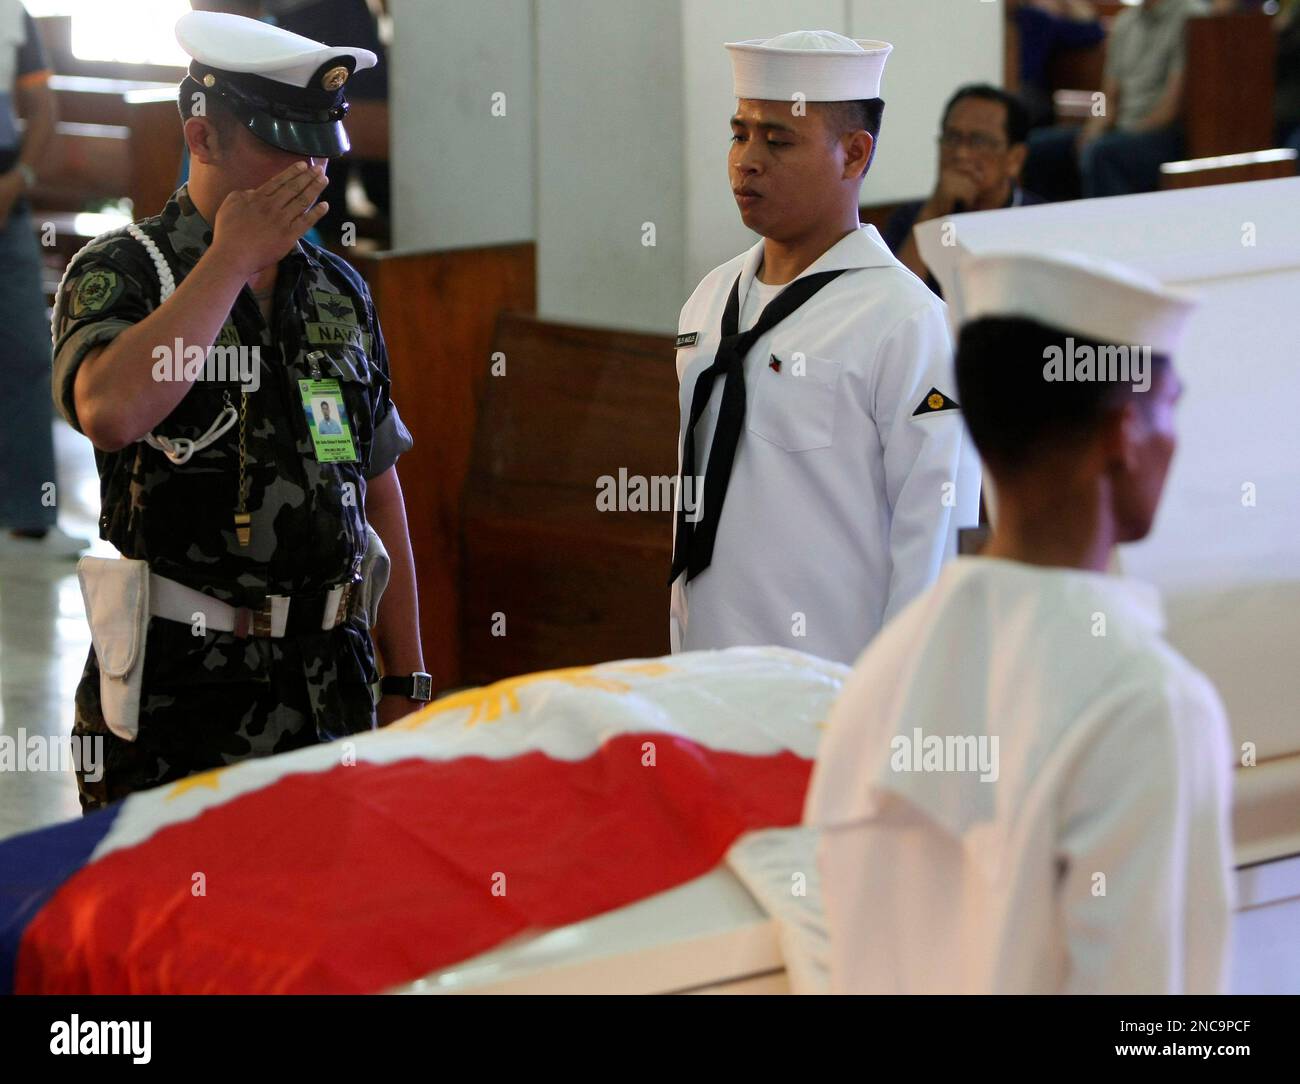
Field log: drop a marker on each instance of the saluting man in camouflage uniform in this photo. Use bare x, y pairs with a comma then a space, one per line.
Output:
217, 476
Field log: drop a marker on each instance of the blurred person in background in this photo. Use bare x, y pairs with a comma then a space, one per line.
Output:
1121, 150
1046, 27
1286, 25
28, 489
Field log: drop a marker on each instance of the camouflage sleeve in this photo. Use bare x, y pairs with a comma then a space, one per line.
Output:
391, 435
99, 300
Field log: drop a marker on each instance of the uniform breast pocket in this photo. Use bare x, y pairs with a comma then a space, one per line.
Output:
794, 401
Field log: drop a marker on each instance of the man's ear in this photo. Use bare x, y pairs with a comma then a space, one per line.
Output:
1124, 432
202, 139
1016, 160
857, 154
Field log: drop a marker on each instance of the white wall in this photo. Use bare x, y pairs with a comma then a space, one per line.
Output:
610, 102
461, 176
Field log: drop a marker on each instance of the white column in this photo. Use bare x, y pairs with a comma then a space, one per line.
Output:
463, 119
612, 183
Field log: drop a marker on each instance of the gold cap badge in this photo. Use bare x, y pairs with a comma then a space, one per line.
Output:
334, 78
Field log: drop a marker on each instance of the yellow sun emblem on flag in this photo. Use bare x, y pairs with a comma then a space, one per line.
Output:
488, 702
207, 780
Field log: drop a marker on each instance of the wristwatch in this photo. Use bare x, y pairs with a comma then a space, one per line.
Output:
416, 686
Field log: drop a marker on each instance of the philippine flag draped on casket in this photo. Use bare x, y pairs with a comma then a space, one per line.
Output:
356, 866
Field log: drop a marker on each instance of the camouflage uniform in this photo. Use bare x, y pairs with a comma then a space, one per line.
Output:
212, 699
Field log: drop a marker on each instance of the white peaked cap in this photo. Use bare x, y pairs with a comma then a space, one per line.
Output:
233, 43
1096, 299
819, 65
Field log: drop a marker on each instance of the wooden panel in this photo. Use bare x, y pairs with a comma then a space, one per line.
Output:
575, 583
1228, 106
156, 145
100, 101
878, 214
438, 311
1077, 69
1256, 166
368, 125
86, 162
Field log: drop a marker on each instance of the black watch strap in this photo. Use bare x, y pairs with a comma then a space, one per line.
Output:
417, 686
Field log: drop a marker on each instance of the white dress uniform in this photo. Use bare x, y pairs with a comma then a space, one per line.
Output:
1022, 787
1113, 762
843, 501
854, 469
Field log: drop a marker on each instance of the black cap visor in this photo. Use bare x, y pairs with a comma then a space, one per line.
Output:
310, 139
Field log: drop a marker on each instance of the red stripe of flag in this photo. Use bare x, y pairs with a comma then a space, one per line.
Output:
361, 878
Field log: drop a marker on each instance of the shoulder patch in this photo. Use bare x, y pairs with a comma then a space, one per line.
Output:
935, 401
95, 291
689, 339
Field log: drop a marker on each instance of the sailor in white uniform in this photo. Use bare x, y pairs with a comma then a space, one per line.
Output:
1023, 788
824, 466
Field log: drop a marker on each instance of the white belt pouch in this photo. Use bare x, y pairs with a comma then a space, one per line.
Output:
116, 593
375, 567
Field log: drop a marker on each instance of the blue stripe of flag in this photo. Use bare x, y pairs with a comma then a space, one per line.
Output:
32, 868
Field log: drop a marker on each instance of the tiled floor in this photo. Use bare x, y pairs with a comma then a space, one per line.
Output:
43, 645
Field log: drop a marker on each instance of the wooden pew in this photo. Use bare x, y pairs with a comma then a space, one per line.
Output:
115, 139
439, 312
89, 100
548, 578
878, 214
86, 163
1229, 169
1228, 106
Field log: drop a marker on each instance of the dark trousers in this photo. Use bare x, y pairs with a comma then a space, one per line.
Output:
1117, 163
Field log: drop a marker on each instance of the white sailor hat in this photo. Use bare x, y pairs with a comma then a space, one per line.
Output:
287, 89
818, 65
1100, 300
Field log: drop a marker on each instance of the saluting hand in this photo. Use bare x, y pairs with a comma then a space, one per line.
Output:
256, 228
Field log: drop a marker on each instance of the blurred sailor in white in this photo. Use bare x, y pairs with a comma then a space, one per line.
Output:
817, 400
1023, 788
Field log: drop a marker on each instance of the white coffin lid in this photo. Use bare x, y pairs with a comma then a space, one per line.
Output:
1183, 236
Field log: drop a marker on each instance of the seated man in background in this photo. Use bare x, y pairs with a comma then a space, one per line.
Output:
981, 152
1121, 150
1023, 788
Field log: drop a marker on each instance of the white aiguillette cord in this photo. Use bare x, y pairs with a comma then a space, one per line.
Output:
180, 449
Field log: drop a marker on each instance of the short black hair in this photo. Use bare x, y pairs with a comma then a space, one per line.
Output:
1014, 412
865, 114
221, 113
1017, 114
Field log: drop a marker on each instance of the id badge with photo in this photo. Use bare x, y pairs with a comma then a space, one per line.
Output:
327, 421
